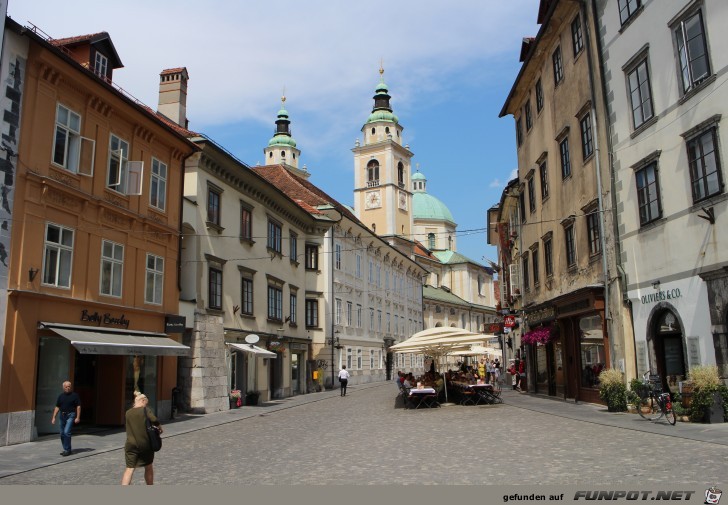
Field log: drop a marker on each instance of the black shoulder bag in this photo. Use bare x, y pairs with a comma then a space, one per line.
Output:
155, 438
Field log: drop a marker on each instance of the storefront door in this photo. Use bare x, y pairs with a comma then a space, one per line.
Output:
295, 373
53, 369
669, 349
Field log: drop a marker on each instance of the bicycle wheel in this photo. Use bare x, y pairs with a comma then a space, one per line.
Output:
669, 413
649, 409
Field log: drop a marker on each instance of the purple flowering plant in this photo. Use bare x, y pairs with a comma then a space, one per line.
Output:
541, 335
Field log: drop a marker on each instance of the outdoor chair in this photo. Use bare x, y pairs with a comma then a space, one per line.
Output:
467, 397
430, 401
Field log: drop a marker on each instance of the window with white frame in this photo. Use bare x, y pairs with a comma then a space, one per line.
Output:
294, 307
337, 256
274, 236
124, 176
101, 65
70, 150
214, 199
112, 268
275, 303
154, 279
358, 359
337, 311
349, 313
389, 322
692, 50
348, 357
158, 185
379, 320
58, 256
358, 316
371, 359
371, 319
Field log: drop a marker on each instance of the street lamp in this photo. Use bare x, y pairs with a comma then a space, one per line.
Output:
334, 343
388, 341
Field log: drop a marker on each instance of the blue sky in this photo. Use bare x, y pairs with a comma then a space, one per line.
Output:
449, 67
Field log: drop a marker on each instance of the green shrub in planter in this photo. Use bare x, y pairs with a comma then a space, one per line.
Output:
612, 390
707, 385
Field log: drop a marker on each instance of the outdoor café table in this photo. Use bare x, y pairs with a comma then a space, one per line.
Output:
484, 393
417, 396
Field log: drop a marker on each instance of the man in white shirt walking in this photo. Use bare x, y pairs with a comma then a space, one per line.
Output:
343, 379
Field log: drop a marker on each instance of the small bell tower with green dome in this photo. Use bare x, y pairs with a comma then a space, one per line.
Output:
382, 167
281, 149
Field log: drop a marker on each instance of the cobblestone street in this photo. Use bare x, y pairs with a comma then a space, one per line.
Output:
363, 439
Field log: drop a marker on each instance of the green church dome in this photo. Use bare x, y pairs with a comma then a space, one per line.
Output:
426, 206
419, 176
282, 140
382, 115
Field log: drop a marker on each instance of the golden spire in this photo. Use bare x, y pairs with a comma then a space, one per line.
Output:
381, 69
283, 96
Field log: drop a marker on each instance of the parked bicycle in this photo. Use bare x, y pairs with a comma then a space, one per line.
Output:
653, 402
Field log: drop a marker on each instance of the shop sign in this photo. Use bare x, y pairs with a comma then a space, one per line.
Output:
661, 296
544, 314
509, 321
174, 324
105, 319
494, 328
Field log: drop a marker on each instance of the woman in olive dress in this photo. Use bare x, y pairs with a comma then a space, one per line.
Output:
137, 450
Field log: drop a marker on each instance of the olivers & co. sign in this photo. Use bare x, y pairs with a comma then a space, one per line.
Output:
660, 296
105, 319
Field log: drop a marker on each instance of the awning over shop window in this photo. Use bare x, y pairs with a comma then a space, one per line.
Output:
127, 343
253, 349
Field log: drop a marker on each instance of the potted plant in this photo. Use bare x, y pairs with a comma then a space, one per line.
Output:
251, 397
709, 395
612, 390
235, 399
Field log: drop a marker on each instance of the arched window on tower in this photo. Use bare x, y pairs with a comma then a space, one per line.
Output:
373, 173
400, 174
431, 240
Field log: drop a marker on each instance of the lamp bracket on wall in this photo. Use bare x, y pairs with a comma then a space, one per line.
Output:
710, 215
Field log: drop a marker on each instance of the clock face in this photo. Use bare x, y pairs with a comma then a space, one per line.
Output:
373, 199
403, 200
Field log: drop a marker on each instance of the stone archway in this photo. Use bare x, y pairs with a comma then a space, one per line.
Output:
666, 344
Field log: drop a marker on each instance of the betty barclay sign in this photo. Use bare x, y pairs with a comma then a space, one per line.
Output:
660, 296
105, 319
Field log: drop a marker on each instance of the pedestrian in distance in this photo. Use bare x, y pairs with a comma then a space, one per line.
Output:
343, 379
137, 450
69, 406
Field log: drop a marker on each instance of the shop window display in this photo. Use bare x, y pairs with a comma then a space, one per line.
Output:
593, 352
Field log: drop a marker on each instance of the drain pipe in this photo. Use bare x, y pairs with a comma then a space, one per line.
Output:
597, 161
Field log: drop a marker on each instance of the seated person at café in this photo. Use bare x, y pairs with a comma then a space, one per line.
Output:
409, 381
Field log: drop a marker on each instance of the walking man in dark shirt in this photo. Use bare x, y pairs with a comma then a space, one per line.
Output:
69, 405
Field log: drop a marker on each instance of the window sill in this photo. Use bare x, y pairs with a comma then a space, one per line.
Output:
313, 328
316, 270
214, 226
247, 241
274, 320
293, 325
273, 251
564, 179
572, 269
641, 128
652, 225
588, 158
697, 89
157, 212
709, 202
295, 263
217, 312
247, 316
594, 258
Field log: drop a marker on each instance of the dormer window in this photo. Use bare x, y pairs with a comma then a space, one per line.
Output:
101, 65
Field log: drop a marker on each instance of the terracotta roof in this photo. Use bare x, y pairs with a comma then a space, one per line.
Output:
172, 70
308, 196
421, 250
68, 41
179, 129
